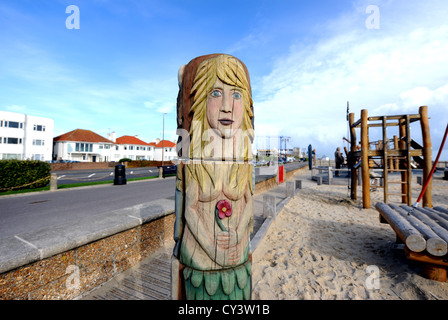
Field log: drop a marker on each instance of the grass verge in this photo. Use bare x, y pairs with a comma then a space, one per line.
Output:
71, 185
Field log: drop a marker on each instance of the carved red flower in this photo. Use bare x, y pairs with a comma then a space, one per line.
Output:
224, 208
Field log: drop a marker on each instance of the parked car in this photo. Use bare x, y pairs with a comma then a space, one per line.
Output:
169, 170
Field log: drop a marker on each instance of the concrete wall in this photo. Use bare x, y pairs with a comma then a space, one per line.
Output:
69, 274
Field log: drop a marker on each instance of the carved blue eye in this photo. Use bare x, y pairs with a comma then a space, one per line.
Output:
216, 93
237, 95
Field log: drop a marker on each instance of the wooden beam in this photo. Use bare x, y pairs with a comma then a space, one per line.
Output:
408, 161
434, 244
395, 153
394, 117
385, 155
372, 125
404, 230
434, 268
427, 156
404, 174
365, 160
354, 158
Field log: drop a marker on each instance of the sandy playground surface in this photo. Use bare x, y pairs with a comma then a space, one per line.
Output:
324, 246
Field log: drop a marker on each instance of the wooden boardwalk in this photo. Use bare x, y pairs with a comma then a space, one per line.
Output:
149, 280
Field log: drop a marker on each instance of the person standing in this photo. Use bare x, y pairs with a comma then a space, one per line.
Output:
339, 159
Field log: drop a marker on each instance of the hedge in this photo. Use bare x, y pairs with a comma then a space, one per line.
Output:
23, 174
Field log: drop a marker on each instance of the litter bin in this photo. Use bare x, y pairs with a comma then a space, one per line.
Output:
120, 174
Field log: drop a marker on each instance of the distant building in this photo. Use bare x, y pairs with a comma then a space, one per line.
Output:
88, 146
165, 147
135, 149
25, 137
84, 146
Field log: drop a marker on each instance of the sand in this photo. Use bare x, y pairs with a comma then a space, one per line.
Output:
324, 246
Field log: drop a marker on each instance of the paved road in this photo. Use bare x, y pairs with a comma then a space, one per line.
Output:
38, 210
77, 176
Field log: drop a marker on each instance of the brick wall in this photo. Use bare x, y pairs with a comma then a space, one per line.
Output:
81, 165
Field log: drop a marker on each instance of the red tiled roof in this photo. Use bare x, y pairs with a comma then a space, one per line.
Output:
131, 140
81, 135
166, 143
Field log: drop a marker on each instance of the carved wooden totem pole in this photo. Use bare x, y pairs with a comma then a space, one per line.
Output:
214, 184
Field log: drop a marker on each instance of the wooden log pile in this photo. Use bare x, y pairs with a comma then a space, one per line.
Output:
424, 231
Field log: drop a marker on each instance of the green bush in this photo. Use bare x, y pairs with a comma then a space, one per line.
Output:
125, 160
23, 174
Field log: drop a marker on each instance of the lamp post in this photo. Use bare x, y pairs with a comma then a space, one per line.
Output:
163, 138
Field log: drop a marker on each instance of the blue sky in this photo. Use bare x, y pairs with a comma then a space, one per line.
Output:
118, 71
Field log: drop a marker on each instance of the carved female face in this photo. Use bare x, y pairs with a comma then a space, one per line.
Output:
225, 109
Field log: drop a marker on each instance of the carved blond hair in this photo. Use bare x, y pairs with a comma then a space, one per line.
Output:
230, 71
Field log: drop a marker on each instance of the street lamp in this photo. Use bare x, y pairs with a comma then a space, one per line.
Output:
163, 138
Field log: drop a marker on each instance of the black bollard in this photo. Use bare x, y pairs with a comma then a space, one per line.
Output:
120, 174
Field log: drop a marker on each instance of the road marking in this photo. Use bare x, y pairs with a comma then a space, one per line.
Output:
150, 171
31, 245
111, 173
132, 172
61, 176
91, 175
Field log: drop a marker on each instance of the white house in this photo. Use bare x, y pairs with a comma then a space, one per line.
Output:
133, 148
25, 137
84, 146
165, 147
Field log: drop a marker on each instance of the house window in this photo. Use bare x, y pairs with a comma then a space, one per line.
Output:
131, 147
13, 124
84, 147
37, 142
12, 140
38, 127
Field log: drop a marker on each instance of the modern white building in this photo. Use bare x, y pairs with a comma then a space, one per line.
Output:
25, 137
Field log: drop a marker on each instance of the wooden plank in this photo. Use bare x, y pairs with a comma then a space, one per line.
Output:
404, 230
434, 244
425, 258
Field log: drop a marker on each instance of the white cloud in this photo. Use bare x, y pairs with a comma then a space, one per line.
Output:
16, 108
394, 69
